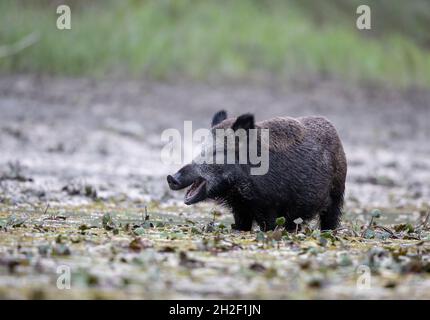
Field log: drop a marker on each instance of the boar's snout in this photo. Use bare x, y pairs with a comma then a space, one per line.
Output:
173, 182
187, 177
178, 181
182, 179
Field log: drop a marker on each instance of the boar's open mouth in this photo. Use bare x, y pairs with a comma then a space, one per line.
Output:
196, 192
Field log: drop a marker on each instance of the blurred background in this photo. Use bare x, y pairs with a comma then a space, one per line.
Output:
224, 39
90, 103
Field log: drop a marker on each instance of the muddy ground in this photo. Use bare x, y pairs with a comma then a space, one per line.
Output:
82, 188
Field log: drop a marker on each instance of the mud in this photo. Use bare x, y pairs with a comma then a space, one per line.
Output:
86, 147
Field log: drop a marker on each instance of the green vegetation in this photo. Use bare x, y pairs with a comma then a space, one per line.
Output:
227, 39
113, 253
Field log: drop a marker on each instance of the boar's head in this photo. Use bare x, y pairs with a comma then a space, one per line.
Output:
213, 180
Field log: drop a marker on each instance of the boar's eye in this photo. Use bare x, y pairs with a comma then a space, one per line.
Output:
245, 121
219, 117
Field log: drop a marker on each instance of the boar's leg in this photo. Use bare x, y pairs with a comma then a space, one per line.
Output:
242, 220
329, 219
266, 219
290, 226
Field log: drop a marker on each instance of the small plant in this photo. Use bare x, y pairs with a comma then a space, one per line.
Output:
109, 224
368, 232
280, 222
298, 222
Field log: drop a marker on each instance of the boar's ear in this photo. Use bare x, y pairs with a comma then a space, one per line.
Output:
219, 117
245, 121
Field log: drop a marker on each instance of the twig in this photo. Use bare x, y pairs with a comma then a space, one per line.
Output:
45, 212
214, 216
9, 50
338, 229
426, 220
368, 227
46, 209
146, 217
387, 230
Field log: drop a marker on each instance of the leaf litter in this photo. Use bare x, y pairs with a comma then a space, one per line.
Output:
115, 254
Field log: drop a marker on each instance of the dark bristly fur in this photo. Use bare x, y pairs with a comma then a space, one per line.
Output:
306, 176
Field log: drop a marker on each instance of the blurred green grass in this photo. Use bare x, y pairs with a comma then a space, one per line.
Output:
227, 39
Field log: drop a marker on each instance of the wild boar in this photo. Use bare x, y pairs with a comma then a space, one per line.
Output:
305, 177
